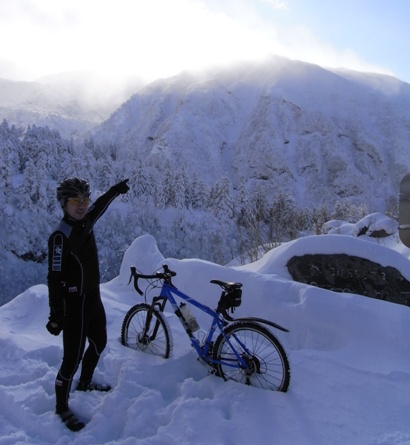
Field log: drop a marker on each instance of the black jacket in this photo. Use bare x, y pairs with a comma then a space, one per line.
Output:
73, 268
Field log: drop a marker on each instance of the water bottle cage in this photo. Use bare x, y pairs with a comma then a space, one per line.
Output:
188, 319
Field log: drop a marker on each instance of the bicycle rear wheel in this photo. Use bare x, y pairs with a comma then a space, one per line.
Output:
266, 360
157, 339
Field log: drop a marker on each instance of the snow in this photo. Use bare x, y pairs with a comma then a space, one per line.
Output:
349, 355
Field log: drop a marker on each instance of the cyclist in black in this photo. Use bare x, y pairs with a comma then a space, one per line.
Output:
74, 293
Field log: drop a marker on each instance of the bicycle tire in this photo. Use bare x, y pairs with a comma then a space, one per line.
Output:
268, 363
133, 326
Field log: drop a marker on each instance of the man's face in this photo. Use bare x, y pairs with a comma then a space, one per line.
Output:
77, 207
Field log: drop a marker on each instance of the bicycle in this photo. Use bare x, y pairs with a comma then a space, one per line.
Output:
245, 350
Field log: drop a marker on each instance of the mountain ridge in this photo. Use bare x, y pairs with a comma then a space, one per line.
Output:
280, 124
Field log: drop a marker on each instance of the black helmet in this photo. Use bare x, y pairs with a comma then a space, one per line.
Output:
71, 187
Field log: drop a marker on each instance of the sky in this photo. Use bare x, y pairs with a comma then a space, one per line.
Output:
160, 38
349, 359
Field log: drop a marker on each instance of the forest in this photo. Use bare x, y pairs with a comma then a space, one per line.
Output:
189, 218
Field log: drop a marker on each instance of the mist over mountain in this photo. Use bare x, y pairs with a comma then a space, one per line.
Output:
71, 103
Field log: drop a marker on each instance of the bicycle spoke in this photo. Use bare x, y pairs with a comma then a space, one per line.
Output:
156, 340
251, 355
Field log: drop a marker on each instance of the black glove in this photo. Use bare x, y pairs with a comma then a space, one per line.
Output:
121, 187
55, 324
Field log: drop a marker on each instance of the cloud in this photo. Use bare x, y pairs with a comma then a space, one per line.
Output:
151, 39
277, 4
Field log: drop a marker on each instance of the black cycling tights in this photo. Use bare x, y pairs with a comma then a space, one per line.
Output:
84, 320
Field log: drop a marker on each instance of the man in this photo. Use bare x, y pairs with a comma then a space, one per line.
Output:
74, 290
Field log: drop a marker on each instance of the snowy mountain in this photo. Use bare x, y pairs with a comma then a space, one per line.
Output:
349, 355
220, 162
284, 126
71, 103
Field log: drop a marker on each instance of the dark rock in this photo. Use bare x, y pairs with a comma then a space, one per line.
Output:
345, 273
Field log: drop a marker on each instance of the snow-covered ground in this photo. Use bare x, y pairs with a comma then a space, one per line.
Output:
350, 362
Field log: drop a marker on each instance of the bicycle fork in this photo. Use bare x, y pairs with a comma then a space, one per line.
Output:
161, 307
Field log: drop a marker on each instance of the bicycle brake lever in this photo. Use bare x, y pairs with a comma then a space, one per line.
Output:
134, 274
137, 288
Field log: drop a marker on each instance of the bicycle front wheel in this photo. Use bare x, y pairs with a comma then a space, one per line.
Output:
264, 365
154, 339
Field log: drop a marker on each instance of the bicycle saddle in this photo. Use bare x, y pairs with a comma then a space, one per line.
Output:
227, 285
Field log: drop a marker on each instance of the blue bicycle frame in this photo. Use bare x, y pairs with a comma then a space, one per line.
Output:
203, 351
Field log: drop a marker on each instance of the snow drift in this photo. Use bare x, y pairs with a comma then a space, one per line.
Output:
350, 361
